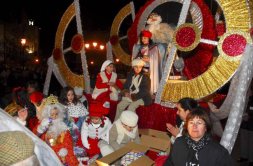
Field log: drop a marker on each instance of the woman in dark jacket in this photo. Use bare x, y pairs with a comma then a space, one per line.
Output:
197, 148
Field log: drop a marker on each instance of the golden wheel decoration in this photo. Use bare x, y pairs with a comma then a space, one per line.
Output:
220, 72
114, 38
71, 78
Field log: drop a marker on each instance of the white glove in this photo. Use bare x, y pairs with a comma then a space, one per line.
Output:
86, 144
43, 125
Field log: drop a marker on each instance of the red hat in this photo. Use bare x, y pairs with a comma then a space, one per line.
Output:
36, 97
97, 109
146, 33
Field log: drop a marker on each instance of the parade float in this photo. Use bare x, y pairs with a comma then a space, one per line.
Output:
218, 48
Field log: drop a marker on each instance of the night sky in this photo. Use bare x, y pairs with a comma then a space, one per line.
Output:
96, 15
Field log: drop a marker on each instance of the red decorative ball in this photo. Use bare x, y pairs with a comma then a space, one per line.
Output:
234, 45
185, 36
77, 43
114, 39
57, 53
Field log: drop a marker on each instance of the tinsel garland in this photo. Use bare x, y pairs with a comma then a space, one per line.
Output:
52, 67
109, 55
234, 104
83, 55
199, 60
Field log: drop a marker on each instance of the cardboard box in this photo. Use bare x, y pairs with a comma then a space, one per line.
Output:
116, 155
150, 140
155, 140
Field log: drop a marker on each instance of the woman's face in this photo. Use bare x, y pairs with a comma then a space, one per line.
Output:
145, 40
181, 112
70, 96
196, 128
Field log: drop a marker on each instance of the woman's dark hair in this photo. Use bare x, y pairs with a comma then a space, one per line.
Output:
201, 113
188, 103
63, 95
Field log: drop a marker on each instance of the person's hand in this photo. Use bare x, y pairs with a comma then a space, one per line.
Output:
145, 58
173, 130
86, 144
45, 122
111, 83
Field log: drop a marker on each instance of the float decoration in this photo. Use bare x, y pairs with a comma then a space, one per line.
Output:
186, 37
77, 43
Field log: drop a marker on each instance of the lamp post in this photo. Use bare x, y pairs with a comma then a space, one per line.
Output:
23, 42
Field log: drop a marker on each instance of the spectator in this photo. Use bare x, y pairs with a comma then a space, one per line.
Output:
184, 106
196, 147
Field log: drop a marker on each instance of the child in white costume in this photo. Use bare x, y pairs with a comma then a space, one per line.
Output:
95, 130
124, 130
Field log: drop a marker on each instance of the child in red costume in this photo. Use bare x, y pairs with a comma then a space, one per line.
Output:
107, 85
95, 131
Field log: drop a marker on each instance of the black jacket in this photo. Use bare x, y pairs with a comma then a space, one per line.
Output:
144, 88
213, 154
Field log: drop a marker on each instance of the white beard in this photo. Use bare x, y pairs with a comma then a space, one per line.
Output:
157, 20
57, 127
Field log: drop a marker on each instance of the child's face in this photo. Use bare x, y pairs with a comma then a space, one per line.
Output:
145, 40
137, 69
70, 96
54, 113
109, 68
128, 128
95, 119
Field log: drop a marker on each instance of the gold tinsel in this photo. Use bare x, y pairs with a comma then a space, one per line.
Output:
237, 18
71, 78
117, 50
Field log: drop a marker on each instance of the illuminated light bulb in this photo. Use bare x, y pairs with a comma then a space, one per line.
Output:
87, 45
94, 44
102, 47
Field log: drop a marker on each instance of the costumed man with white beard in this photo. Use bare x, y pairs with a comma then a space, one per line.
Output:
153, 55
161, 32
54, 131
95, 130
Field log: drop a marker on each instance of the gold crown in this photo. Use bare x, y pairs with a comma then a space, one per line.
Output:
51, 100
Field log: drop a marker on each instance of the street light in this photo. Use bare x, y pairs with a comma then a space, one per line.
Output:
23, 42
